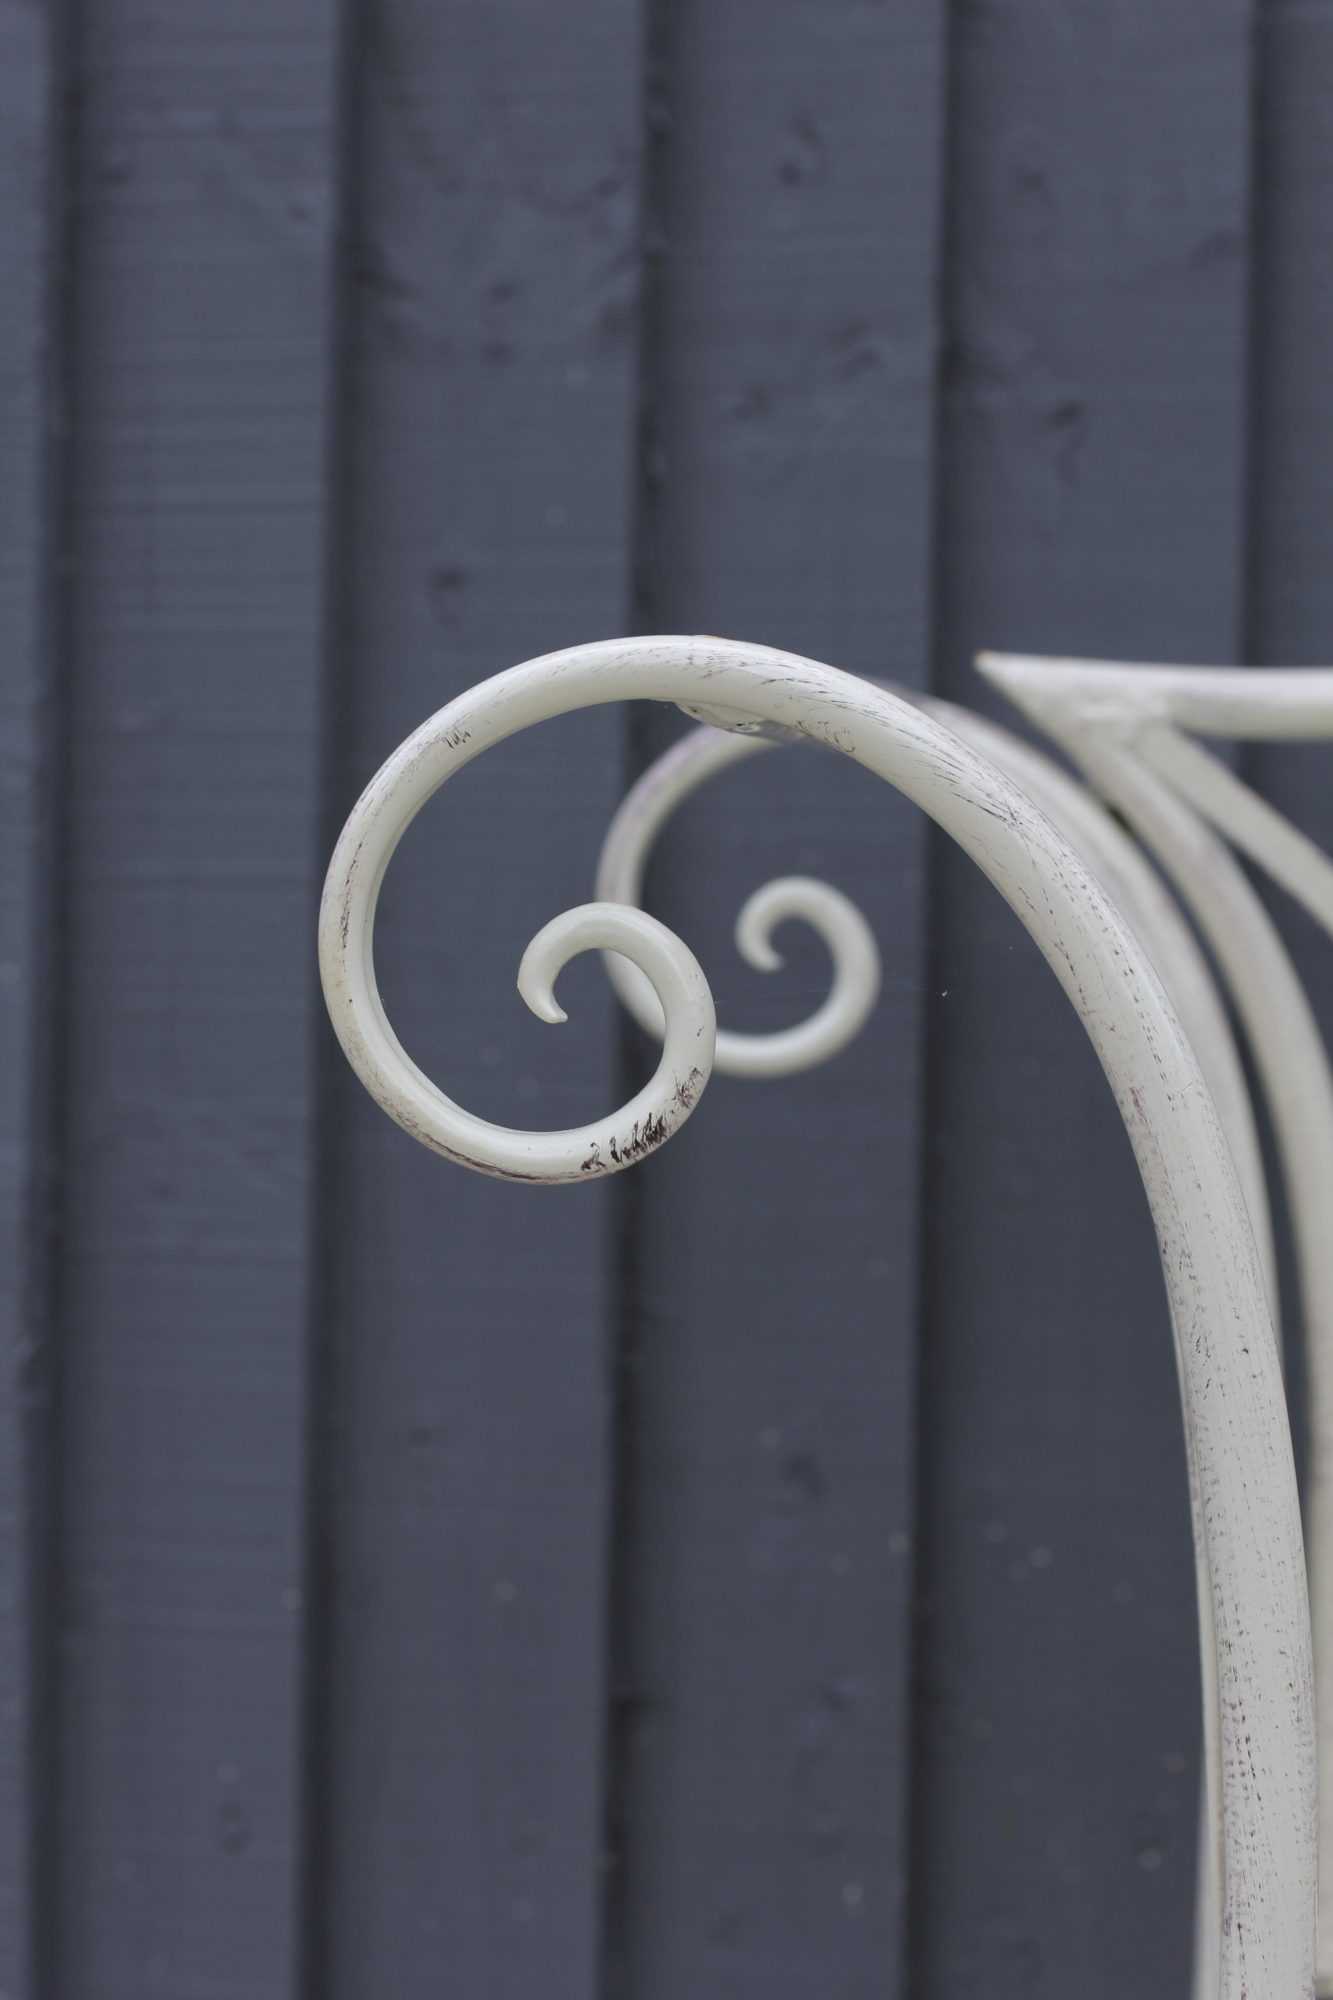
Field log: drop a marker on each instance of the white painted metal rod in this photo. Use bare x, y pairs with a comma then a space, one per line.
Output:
1233, 1398
1115, 858
1272, 704
1122, 868
1286, 855
1121, 723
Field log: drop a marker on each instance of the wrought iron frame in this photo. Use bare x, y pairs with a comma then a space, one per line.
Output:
1118, 946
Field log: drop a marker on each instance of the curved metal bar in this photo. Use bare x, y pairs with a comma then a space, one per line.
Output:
1234, 1408
1297, 1083
1120, 865
1116, 860
1286, 855
1118, 723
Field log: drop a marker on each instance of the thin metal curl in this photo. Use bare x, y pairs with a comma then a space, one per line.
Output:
583, 1152
831, 915
1231, 1387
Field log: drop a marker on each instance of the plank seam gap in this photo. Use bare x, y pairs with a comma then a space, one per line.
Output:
926, 1375
43, 1399
315, 1784
614, 1969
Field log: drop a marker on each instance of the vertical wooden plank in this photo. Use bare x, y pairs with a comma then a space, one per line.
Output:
1291, 479
203, 169
764, 1644
30, 237
494, 270
1092, 479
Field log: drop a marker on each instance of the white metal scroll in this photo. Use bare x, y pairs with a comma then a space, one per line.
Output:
1247, 1516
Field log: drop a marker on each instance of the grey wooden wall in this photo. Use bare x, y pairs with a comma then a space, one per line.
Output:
766, 1575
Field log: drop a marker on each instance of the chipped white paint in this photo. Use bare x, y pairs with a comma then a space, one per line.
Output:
1232, 1393
1132, 729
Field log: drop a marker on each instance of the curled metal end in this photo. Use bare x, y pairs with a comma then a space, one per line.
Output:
850, 941
580, 1153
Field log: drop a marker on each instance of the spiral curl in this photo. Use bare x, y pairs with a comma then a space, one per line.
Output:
855, 987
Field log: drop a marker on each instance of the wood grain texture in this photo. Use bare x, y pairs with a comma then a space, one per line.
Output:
30, 239
768, 1370
1092, 469
494, 268
204, 151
